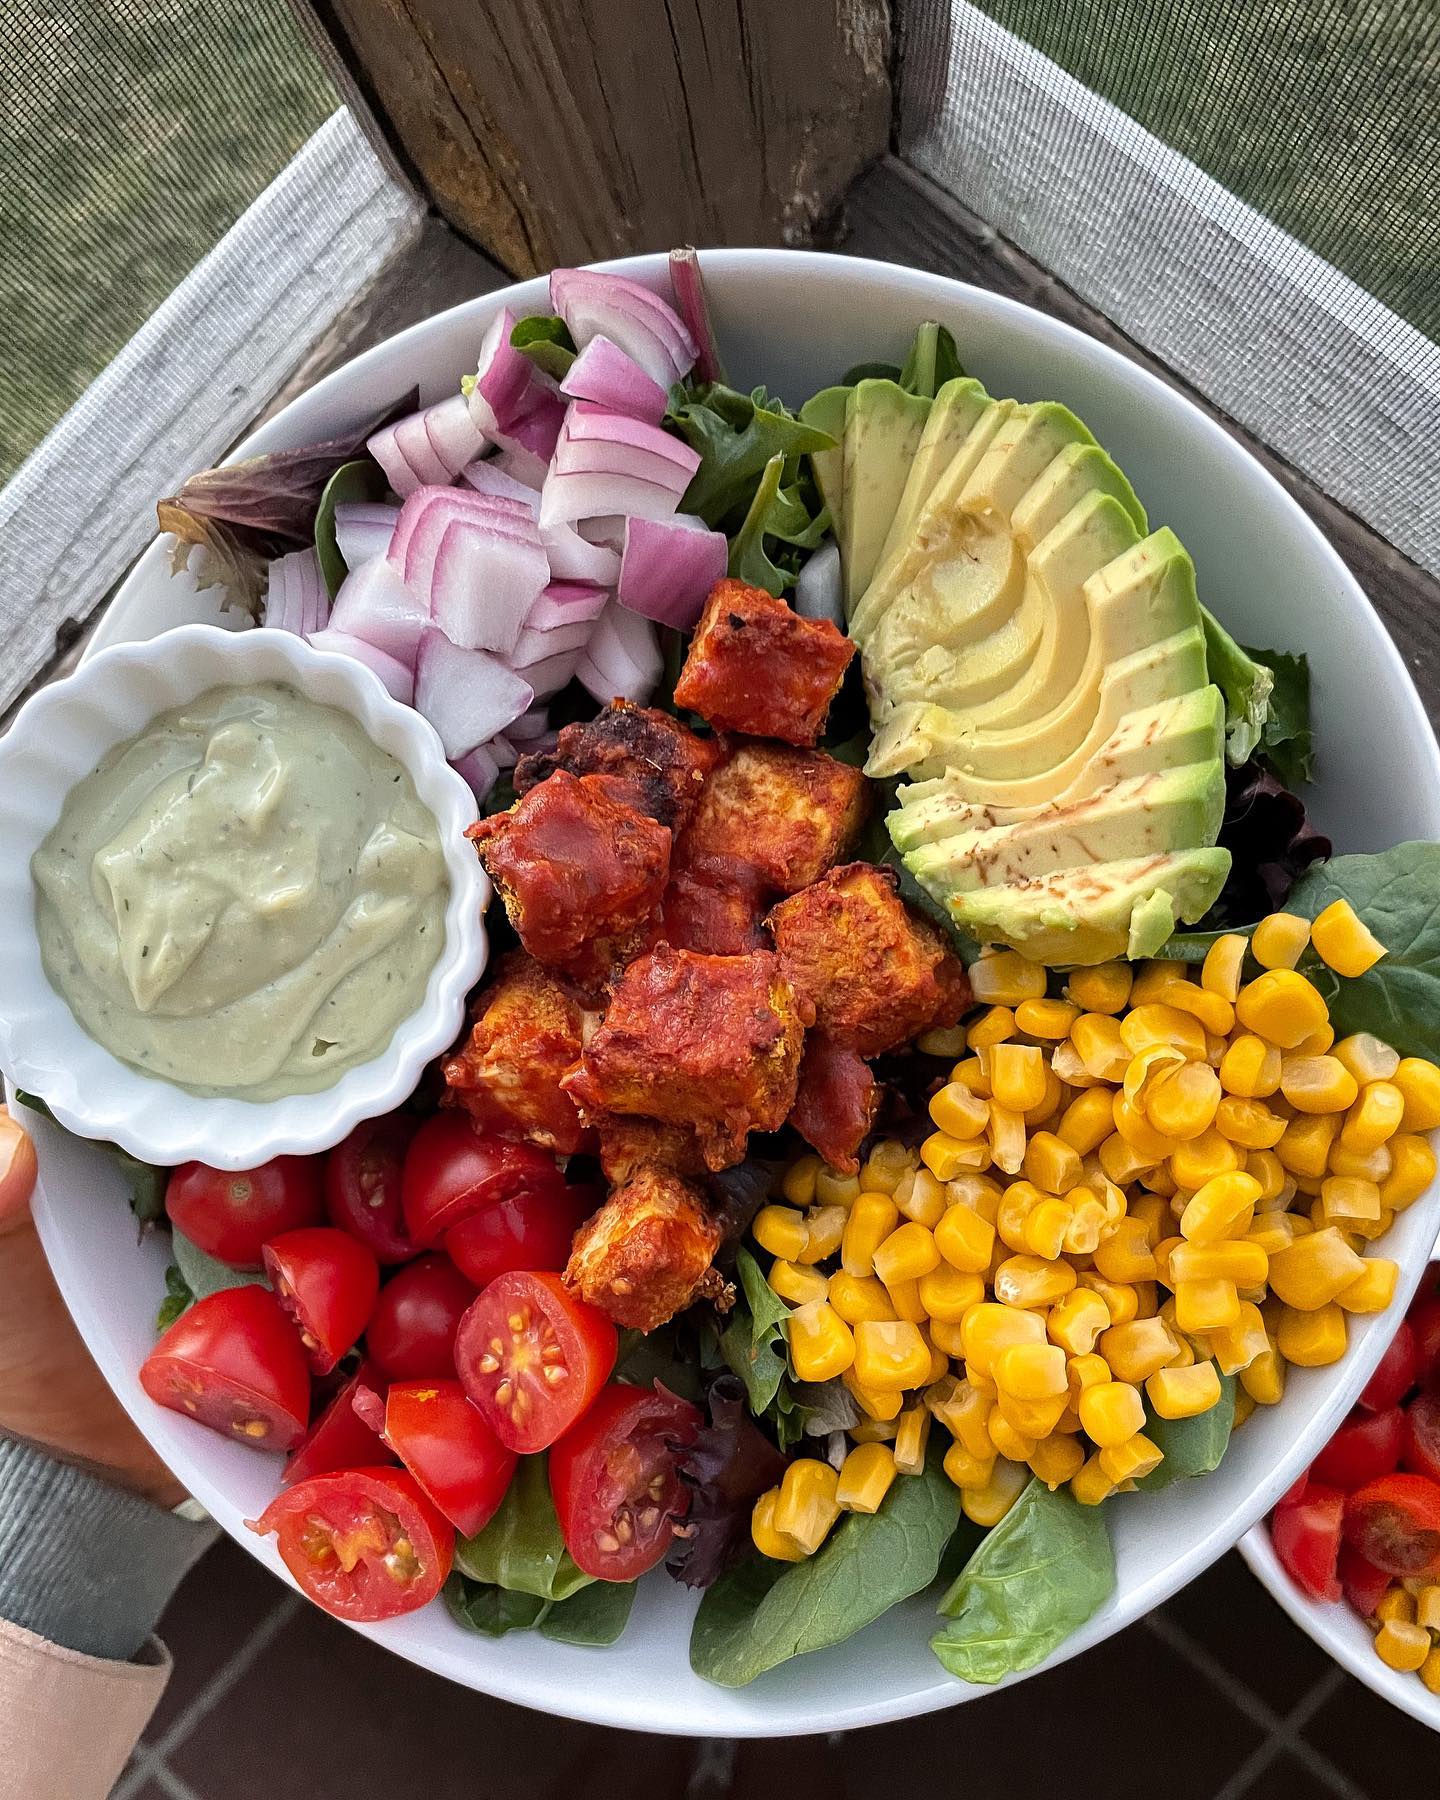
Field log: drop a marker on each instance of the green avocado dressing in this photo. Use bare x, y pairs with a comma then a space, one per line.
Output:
245, 899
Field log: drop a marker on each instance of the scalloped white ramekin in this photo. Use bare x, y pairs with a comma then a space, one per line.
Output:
57, 740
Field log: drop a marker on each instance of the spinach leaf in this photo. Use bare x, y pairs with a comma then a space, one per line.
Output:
1192, 1446
1037, 1576
490, 1610
736, 435
351, 482
546, 340
521, 1548
754, 1330
595, 1616
933, 360
774, 512
178, 1296
146, 1184
1287, 741
649, 1356
203, 1274
763, 1613
1246, 685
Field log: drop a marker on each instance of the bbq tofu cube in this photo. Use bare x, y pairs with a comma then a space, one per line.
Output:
628, 1143
646, 1253
836, 1103
786, 814
660, 763
528, 1031
708, 1041
581, 872
716, 905
757, 667
875, 973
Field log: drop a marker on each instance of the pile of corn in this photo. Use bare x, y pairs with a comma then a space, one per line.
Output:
1407, 1634
1165, 1176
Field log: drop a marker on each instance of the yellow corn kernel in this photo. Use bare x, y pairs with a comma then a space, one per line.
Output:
1397, 1604
1087, 1121
1215, 1013
824, 1229
1430, 1671
1279, 941
1120, 1298
1419, 1083
939, 1357
1006, 977
989, 1328
1203, 1158
981, 1193
1042, 1232
806, 1507
1250, 1068
945, 1336
947, 1041
1145, 1072
1304, 1146
1099, 1045
873, 1431
965, 1239
1220, 972
887, 1164
959, 1113
865, 1478
1281, 1007
857, 1297
1132, 1460
947, 1293
1427, 1607
906, 1302
1239, 1260
1345, 1198
1236, 1346
1051, 1163
921, 1196
1372, 1290
912, 1433
1091, 1485
1164, 1250
1314, 1270
1144, 1027
834, 1189
1065, 1064
1056, 1460
1032, 1282
794, 1282
906, 1254
767, 1540
1312, 1339
1135, 1351
797, 1184
1344, 942
1136, 1129
1075, 1322
962, 1409
1158, 1180
1017, 1075
971, 1073
1411, 1172
781, 1231
1216, 1207
1007, 1138
1399, 1645
1367, 1057
872, 1218
988, 1505
1111, 1412
1316, 1043
946, 1157
1089, 1222
1126, 1255
994, 1027
1244, 1406
1184, 1393
1186, 1104
1154, 980
1361, 1165
890, 1354
1266, 1167
1208, 1305
1085, 1371
1120, 1161
1366, 1231
821, 1343
968, 1471
1049, 1019
1249, 1123
1016, 1204
1032, 1419
1317, 1084
1263, 1379
1031, 1371
1147, 1299
1008, 1440
1102, 988
880, 1405
1374, 1118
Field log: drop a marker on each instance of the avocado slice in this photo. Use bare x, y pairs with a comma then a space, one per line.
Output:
883, 426
953, 414
826, 412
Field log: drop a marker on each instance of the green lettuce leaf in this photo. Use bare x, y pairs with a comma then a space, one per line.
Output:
933, 360
595, 1616
1246, 685
352, 482
1191, 1446
1286, 741
737, 435
521, 1549
203, 1274
178, 1296
546, 340
491, 1611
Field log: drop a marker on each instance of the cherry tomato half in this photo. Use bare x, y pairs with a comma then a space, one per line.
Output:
1366, 1446
531, 1230
1306, 1536
412, 1327
339, 1438
1421, 1454
1363, 1585
234, 1362
1424, 1321
327, 1283
453, 1170
532, 1357
363, 1543
233, 1213
1395, 1524
449, 1449
362, 1186
615, 1483
1397, 1373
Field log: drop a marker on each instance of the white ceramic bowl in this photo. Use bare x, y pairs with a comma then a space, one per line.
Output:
795, 320
56, 741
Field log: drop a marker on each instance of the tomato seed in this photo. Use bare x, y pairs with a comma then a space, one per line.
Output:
505, 1392
607, 1541
650, 1518
519, 1319
624, 1530
555, 1374
489, 1363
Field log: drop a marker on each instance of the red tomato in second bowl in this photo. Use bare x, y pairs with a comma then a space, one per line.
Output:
531, 1230
234, 1362
453, 1170
532, 1357
1395, 1524
1365, 1447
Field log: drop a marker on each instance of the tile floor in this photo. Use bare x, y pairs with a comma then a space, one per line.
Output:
1215, 1697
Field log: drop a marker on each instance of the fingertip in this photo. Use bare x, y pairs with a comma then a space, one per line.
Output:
17, 1171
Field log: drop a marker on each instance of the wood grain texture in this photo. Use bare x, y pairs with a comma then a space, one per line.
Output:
551, 132
900, 216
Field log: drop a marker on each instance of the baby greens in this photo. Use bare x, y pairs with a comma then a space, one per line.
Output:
753, 1344
1192, 1446
521, 1549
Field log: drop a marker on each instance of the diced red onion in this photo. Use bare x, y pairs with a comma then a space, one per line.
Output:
669, 567
384, 446
551, 640
363, 528
622, 659
567, 498
397, 680
555, 672
304, 605
413, 437
635, 320
282, 600
522, 466
478, 561
374, 604
430, 510
503, 751
572, 558
564, 602
481, 768
489, 478
531, 724
688, 286
820, 588
606, 463
467, 695
607, 529
507, 381
538, 431
605, 374
453, 434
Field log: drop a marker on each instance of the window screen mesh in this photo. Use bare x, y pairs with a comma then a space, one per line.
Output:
133, 133
1251, 191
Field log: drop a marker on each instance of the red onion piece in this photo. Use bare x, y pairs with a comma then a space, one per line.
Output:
635, 320
397, 680
669, 567
384, 446
622, 659
507, 381
532, 724
481, 769
280, 613
374, 604
485, 583
467, 695
688, 286
430, 511
820, 588
564, 602
551, 640
414, 441
607, 529
304, 605
586, 422
572, 558
503, 751
605, 374
522, 466
453, 435
568, 497
554, 672
538, 431
363, 528
489, 478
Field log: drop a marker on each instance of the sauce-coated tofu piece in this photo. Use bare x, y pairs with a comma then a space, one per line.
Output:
875, 973
660, 763
708, 1041
715, 904
836, 1103
628, 1143
645, 1255
788, 814
528, 1031
581, 872
756, 666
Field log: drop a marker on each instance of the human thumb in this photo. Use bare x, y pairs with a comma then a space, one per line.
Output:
17, 1172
